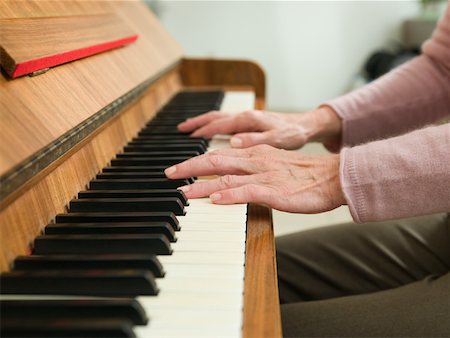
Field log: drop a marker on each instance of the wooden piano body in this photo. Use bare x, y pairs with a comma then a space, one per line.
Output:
58, 129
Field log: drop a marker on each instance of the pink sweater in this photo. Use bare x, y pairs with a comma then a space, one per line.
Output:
406, 175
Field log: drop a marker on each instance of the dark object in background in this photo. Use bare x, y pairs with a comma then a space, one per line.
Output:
381, 62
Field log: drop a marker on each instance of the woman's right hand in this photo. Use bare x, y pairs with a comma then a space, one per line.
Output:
284, 131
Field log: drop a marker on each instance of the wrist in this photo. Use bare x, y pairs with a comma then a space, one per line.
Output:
322, 124
337, 193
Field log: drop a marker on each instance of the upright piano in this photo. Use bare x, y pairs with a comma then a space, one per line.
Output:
95, 241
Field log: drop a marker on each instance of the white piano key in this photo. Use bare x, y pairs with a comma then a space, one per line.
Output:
211, 227
200, 218
208, 246
192, 323
199, 284
201, 258
211, 235
204, 270
237, 101
192, 300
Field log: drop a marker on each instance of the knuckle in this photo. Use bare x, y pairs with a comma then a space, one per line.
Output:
216, 114
215, 160
251, 190
226, 181
255, 114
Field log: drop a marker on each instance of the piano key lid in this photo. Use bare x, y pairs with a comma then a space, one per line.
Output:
31, 46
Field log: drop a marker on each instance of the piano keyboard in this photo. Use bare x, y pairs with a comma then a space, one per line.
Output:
176, 267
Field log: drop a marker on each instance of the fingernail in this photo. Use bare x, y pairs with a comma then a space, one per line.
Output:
236, 142
215, 197
185, 188
170, 170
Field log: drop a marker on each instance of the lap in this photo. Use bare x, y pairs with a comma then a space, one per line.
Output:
353, 259
376, 279
419, 309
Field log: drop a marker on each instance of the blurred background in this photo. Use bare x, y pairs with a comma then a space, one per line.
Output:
311, 51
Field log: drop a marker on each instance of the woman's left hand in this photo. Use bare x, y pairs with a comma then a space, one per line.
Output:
283, 180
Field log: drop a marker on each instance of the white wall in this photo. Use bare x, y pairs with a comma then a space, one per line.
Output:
310, 50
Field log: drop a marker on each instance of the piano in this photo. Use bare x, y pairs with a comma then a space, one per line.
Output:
94, 240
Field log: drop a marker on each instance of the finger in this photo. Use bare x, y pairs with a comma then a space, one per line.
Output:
210, 165
245, 140
226, 125
239, 153
248, 193
199, 121
206, 188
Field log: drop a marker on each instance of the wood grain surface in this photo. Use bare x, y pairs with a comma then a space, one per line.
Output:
262, 307
34, 111
201, 72
25, 213
52, 8
31, 44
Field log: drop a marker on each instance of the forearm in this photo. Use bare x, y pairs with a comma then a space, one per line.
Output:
403, 176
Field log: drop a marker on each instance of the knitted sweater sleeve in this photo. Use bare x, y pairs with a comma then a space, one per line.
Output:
406, 175
409, 97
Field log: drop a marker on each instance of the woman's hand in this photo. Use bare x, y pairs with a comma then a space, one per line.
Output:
285, 131
281, 179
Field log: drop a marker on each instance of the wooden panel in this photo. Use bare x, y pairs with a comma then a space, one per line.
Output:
34, 111
47, 8
262, 307
31, 44
29, 209
212, 72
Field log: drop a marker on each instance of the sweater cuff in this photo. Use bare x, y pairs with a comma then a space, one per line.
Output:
340, 106
351, 187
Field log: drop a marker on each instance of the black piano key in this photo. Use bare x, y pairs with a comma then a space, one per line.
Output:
184, 111
123, 174
166, 148
189, 98
136, 183
148, 161
124, 228
87, 309
128, 154
203, 97
117, 283
164, 121
158, 143
150, 193
148, 169
173, 123
197, 95
177, 138
127, 205
163, 129
158, 139
157, 132
196, 109
32, 327
157, 244
128, 174
87, 262
94, 217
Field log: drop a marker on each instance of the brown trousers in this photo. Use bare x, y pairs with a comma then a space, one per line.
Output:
387, 279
